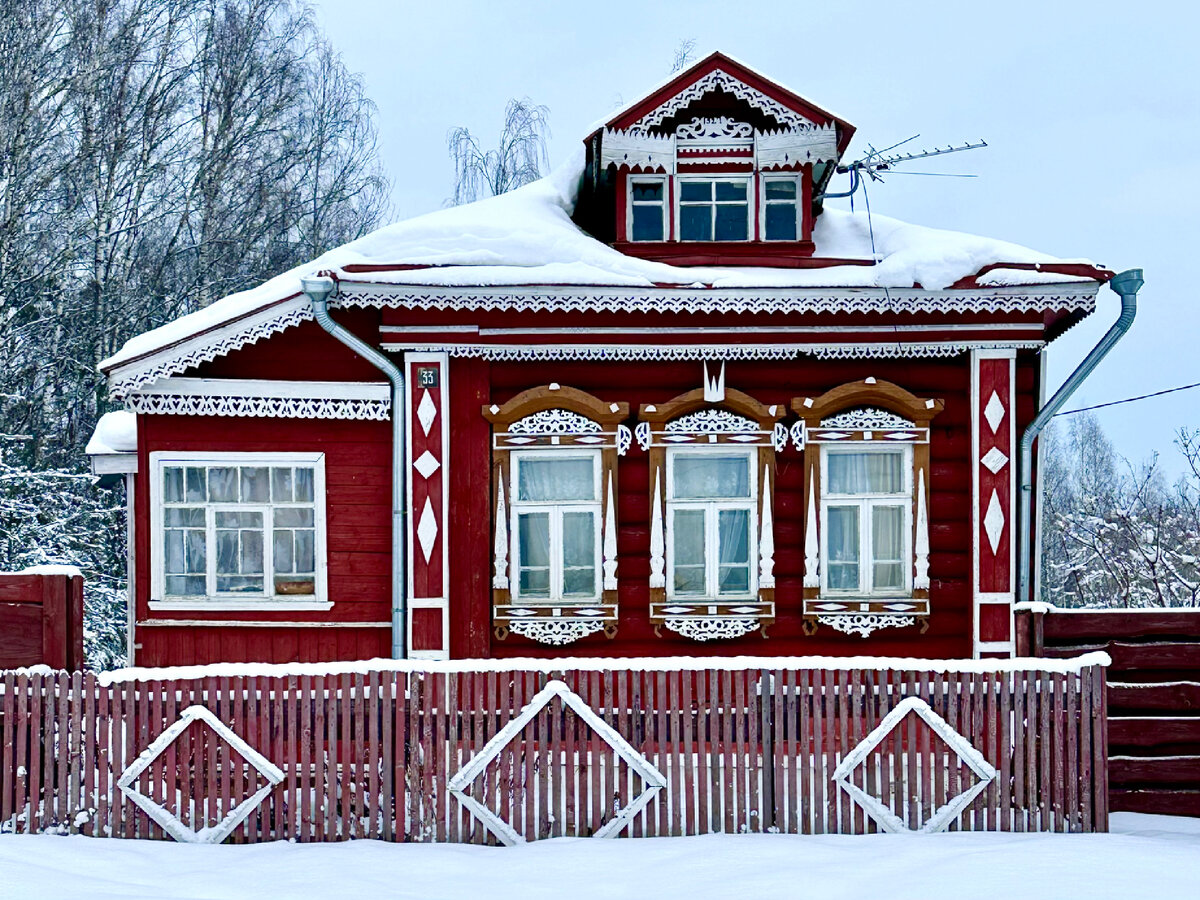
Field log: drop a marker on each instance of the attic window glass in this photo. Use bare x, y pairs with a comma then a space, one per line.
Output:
647, 209
780, 209
714, 210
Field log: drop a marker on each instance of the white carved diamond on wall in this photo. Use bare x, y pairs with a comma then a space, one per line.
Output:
994, 459
170, 822
993, 522
994, 412
504, 832
426, 411
962, 748
427, 529
426, 464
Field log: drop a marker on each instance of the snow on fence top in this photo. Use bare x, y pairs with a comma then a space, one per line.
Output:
666, 664
526, 237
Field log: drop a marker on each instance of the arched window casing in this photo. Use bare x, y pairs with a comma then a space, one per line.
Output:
554, 530
712, 536
866, 521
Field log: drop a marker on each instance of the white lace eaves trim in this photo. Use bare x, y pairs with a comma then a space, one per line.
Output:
719, 80
554, 421
701, 628
555, 631
260, 407
712, 421
866, 418
863, 624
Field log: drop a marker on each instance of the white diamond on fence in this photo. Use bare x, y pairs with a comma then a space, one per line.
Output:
944, 815
170, 822
507, 835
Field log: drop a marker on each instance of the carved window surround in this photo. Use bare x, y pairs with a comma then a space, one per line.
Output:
873, 413
723, 418
547, 419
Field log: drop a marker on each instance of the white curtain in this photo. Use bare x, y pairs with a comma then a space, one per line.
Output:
542, 479
865, 473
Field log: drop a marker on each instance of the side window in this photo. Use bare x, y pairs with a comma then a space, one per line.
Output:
238, 527
554, 527
781, 209
647, 209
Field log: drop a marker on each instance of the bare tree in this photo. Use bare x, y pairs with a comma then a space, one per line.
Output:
684, 55
518, 158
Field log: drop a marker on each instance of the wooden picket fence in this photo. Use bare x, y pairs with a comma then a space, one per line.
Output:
373, 754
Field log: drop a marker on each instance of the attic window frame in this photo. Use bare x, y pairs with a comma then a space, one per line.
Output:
712, 177
664, 206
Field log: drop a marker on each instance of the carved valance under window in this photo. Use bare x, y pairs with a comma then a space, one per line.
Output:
712, 537
554, 453
866, 534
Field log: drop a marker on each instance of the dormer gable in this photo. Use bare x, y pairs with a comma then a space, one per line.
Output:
719, 165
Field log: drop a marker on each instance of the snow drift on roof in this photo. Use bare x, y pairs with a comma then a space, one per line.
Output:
526, 237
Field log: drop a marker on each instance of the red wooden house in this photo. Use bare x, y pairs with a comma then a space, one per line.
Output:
664, 402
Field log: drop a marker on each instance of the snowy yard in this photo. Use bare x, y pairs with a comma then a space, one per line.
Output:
1145, 856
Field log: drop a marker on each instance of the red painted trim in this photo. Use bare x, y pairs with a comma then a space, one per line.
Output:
622, 205
719, 60
806, 192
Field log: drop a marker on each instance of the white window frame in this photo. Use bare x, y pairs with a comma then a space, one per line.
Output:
712, 508
214, 601
630, 203
751, 210
762, 210
865, 502
556, 509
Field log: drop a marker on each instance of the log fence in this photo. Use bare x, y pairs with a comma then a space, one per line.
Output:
496, 755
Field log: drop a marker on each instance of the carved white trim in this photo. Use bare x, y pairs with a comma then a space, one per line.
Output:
795, 146
799, 434
863, 624
704, 128
624, 439
555, 631
714, 388
170, 822
637, 764
500, 579
881, 811
609, 562
866, 418
779, 437
641, 352
719, 80
260, 407
703, 628
766, 537
812, 545
711, 421
921, 546
657, 540
554, 421
642, 431
637, 150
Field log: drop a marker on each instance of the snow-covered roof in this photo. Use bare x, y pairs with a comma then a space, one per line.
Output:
116, 432
527, 237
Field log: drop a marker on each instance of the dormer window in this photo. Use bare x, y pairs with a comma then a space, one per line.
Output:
714, 209
781, 208
648, 209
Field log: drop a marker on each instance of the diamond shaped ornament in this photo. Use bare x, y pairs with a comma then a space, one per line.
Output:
427, 529
170, 822
993, 522
995, 460
426, 412
963, 748
994, 412
426, 464
504, 832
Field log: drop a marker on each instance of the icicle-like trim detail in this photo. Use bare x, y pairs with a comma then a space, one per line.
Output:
921, 548
657, 540
812, 546
500, 581
766, 537
610, 540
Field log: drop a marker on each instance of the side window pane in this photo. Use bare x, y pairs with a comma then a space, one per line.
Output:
533, 562
688, 544
304, 485
733, 528
781, 190
255, 487
579, 554
647, 191
195, 490
281, 485
223, 484
781, 222
647, 223
184, 551
709, 476
887, 547
544, 479
173, 484
863, 473
842, 542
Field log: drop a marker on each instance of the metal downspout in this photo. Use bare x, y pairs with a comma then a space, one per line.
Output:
319, 290
1127, 284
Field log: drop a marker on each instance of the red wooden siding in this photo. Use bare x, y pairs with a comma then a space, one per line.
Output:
41, 620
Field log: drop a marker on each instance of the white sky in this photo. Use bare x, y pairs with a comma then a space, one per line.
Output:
1091, 111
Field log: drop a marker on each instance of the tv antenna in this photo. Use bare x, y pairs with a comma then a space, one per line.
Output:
875, 164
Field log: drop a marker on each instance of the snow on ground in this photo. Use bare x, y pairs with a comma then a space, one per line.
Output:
1145, 857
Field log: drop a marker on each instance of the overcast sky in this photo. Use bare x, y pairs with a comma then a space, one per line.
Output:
1090, 109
